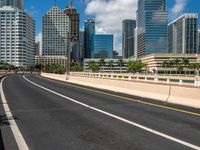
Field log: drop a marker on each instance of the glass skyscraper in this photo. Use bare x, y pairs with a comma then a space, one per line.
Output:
89, 38
13, 3
199, 39
183, 34
103, 46
152, 21
128, 28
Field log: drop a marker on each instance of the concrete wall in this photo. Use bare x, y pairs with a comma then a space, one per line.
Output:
166, 93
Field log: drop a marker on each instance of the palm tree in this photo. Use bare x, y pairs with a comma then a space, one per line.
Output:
186, 63
93, 66
121, 63
179, 65
110, 64
165, 64
102, 63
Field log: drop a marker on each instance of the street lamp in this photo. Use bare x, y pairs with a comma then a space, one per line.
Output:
69, 49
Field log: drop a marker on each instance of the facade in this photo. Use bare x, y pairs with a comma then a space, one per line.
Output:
155, 61
152, 20
51, 60
74, 18
199, 41
82, 44
13, 3
183, 34
103, 46
128, 29
115, 69
55, 33
37, 48
17, 37
89, 38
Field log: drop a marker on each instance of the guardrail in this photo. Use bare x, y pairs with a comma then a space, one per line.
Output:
187, 81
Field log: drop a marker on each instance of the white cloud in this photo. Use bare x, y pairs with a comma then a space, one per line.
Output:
32, 11
178, 8
38, 38
109, 15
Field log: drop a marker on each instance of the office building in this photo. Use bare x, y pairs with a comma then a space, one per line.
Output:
55, 33
155, 62
106, 68
128, 29
37, 48
51, 60
152, 20
199, 41
17, 37
103, 46
13, 3
89, 38
82, 44
183, 34
74, 18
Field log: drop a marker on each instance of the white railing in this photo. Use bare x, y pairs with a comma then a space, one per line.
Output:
187, 81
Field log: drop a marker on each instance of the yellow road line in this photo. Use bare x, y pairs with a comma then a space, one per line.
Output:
137, 101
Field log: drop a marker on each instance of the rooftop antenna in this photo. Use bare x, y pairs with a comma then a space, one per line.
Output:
71, 4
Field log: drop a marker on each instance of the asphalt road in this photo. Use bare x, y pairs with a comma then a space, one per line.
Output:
66, 117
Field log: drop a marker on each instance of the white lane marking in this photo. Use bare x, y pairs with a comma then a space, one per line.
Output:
15, 130
119, 118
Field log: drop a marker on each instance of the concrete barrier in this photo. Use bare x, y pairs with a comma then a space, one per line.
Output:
166, 93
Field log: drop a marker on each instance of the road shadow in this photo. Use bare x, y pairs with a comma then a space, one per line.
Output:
4, 121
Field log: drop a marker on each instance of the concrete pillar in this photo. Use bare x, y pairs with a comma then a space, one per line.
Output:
180, 82
129, 77
168, 81
111, 76
156, 79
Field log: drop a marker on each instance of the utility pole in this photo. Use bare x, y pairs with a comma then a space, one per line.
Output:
69, 39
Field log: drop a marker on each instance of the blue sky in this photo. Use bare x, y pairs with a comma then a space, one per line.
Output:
98, 9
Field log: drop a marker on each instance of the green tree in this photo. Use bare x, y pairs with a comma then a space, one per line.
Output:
76, 68
185, 63
110, 64
179, 65
93, 66
102, 63
135, 66
121, 63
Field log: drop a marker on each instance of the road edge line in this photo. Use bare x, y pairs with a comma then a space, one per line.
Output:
118, 117
15, 130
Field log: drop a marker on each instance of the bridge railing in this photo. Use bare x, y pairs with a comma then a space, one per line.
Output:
174, 80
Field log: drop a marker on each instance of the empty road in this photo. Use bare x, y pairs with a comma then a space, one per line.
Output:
50, 115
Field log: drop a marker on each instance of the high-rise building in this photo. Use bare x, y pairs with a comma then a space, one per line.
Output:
128, 29
199, 41
37, 48
152, 20
103, 46
55, 33
17, 37
82, 44
12, 3
89, 38
136, 42
74, 18
73, 15
183, 34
